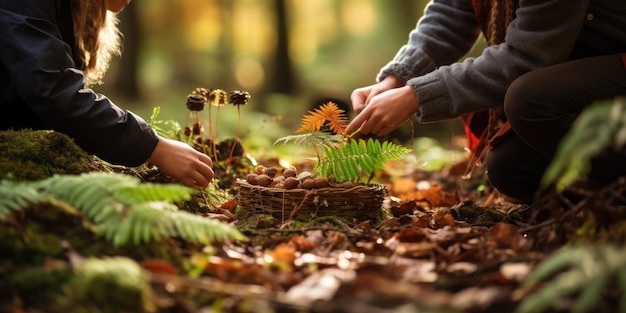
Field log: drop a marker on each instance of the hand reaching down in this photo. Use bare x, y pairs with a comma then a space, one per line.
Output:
182, 162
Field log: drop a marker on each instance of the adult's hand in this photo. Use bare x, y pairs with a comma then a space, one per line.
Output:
362, 96
182, 162
385, 112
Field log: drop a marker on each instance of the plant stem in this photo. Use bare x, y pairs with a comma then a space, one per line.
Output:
232, 148
217, 115
201, 132
211, 136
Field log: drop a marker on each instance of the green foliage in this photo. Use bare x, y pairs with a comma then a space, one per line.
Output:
345, 158
314, 139
347, 161
14, 199
584, 272
116, 284
586, 139
33, 155
164, 128
123, 209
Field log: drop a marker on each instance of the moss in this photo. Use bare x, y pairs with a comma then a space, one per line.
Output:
34, 155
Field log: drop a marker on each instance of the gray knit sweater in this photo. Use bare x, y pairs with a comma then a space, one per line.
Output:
544, 32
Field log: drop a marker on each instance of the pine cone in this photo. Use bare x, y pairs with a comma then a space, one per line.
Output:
195, 102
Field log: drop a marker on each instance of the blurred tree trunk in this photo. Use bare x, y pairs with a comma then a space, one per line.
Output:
126, 83
282, 78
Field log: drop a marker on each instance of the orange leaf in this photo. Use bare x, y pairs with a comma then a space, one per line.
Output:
330, 112
229, 205
159, 266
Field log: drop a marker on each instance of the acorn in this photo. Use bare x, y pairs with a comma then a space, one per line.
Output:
259, 169
332, 179
291, 183
264, 180
290, 172
270, 171
308, 183
346, 185
275, 183
304, 175
320, 182
252, 179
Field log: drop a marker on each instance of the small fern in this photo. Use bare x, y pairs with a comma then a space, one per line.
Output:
113, 284
342, 157
15, 196
583, 273
347, 161
585, 140
123, 209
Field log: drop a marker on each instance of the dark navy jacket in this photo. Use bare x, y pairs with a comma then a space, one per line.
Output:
42, 87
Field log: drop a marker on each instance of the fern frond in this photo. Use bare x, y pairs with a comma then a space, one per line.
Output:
114, 284
316, 139
347, 161
155, 221
585, 140
581, 272
330, 112
123, 209
16, 196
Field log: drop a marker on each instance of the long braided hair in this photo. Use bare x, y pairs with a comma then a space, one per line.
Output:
499, 14
97, 37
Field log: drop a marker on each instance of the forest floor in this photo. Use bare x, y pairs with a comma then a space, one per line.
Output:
440, 243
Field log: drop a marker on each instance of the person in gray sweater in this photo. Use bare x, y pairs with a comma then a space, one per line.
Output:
546, 61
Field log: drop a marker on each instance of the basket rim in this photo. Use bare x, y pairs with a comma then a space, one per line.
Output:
244, 183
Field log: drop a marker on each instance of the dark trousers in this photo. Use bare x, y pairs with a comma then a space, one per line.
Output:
541, 107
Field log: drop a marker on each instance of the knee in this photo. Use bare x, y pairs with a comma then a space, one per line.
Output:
497, 167
507, 179
518, 100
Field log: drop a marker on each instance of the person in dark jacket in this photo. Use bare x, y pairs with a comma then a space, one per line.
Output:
545, 62
51, 52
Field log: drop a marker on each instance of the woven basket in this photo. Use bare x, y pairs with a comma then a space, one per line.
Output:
361, 201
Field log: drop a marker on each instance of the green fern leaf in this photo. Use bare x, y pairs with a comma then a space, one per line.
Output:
123, 209
590, 295
346, 161
584, 141
315, 139
583, 272
152, 192
15, 197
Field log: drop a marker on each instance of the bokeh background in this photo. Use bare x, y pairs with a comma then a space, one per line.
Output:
290, 55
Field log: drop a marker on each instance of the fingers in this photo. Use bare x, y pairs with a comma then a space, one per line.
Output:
358, 122
358, 99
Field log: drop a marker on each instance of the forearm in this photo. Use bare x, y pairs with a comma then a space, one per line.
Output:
444, 34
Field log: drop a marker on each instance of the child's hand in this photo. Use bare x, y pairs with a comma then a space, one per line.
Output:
182, 162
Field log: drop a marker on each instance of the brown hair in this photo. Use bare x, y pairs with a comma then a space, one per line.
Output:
97, 37
501, 13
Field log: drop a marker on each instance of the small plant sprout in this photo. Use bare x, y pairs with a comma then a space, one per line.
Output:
218, 98
196, 103
237, 98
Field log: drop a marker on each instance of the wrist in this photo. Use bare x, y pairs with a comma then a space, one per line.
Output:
409, 93
393, 81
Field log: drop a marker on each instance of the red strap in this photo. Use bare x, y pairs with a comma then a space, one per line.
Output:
472, 138
623, 55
